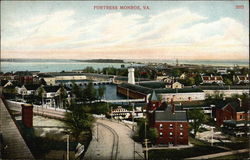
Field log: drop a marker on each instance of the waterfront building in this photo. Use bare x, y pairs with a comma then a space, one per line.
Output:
144, 91
52, 78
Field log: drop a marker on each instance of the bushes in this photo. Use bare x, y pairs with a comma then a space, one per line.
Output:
183, 153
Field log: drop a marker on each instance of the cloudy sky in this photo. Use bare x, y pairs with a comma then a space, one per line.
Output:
169, 29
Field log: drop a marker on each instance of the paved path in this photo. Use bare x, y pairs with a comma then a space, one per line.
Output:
221, 154
38, 110
16, 146
114, 143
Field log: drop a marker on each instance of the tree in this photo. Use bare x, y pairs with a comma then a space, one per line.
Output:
63, 97
76, 90
90, 92
190, 81
101, 91
176, 72
198, 79
151, 133
40, 94
78, 120
197, 117
228, 81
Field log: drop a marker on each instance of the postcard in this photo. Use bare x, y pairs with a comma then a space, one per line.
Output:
124, 79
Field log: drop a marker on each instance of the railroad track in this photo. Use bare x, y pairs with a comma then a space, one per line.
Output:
114, 152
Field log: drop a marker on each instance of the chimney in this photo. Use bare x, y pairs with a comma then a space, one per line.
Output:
27, 115
240, 101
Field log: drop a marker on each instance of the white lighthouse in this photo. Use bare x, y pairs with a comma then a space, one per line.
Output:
131, 76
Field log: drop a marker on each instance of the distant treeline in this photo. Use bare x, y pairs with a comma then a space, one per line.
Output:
102, 60
32, 60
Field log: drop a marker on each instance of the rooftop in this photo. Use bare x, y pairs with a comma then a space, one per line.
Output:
147, 90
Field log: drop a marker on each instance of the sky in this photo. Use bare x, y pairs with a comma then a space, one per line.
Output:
200, 30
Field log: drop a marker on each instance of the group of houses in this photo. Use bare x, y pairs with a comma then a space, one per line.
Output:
160, 96
49, 94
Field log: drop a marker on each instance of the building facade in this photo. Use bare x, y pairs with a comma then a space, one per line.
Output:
172, 126
231, 111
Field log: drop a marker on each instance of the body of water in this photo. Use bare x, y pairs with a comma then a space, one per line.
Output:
56, 66
111, 92
69, 65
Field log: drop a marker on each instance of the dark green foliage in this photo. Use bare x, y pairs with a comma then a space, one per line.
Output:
183, 153
78, 120
101, 91
151, 133
198, 118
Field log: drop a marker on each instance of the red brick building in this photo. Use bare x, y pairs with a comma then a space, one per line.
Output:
231, 111
212, 79
172, 126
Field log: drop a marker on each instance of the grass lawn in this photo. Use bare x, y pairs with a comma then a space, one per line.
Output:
200, 148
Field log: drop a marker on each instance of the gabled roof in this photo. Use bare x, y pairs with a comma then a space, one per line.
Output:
3, 82
153, 96
167, 115
152, 84
16, 83
234, 104
51, 88
32, 86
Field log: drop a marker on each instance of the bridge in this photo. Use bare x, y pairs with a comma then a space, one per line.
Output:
123, 100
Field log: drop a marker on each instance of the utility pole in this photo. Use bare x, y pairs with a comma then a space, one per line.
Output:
133, 126
97, 131
212, 141
67, 146
146, 142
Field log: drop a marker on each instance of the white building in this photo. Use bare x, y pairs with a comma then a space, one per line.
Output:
131, 76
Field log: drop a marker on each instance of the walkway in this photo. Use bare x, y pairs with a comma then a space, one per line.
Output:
106, 145
16, 146
221, 154
39, 110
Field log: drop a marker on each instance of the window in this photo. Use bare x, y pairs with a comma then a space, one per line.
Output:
181, 126
161, 134
161, 126
170, 126
181, 135
241, 116
170, 134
